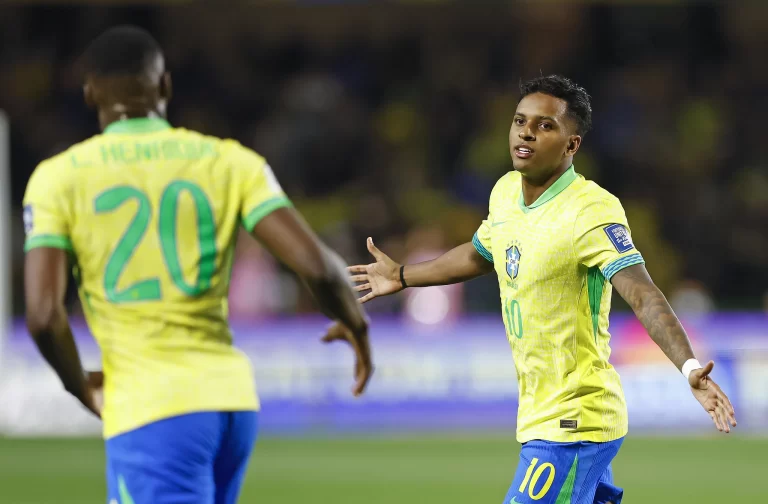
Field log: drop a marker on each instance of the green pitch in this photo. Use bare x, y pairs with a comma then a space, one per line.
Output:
405, 470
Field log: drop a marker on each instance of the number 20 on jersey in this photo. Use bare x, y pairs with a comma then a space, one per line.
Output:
149, 289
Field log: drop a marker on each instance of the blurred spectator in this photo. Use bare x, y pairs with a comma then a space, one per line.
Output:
690, 298
256, 287
397, 128
436, 305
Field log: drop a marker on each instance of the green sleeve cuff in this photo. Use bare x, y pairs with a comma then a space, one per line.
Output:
481, 249
49, 241
264, 209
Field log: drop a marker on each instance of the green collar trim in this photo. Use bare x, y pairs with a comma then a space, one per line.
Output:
138, 125
559, 186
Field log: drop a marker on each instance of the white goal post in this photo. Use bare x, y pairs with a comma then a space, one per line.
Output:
6, 214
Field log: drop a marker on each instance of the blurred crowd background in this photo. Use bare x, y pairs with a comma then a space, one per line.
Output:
391, 121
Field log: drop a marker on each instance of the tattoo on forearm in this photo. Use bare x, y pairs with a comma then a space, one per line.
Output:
654, 312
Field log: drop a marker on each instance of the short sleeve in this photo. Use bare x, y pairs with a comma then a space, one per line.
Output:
482, 239
261, 193
46, 218
602, 238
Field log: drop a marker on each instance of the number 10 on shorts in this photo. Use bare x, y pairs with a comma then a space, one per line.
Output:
533, 477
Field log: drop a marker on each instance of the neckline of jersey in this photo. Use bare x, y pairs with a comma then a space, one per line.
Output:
138, 125
559, 186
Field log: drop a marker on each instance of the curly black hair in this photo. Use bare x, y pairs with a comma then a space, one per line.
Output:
577, 98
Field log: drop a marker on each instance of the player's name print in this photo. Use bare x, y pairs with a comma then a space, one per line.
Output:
170, 149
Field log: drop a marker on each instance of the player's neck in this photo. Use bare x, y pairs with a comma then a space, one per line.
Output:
119, 113
533, 188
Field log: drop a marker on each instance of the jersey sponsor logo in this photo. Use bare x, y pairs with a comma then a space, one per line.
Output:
513, 261
620, 238
28, 218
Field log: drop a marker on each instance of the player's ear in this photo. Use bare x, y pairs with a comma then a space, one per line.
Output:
166, 87
90, 100
574, 142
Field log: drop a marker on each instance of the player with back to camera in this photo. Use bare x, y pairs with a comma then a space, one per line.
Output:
558, 244
149, 214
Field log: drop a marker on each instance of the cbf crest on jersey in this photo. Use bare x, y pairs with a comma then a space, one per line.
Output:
513, 261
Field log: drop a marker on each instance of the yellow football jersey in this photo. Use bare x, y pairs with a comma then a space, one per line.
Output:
150, 214
554, 260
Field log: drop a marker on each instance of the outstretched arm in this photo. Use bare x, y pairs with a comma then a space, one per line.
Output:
288, 237
634, 284
654, 312
383, 277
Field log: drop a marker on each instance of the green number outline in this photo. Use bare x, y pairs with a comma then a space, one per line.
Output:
144, 290
206, 236
150, 289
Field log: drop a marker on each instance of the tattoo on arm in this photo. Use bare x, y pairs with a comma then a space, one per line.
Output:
654, 312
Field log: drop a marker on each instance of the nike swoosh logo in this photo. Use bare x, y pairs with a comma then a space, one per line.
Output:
515, 501
499, 224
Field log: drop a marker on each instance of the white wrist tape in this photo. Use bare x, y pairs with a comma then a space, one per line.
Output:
690, 365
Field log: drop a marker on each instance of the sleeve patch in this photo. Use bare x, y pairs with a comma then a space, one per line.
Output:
28, 219
620, 238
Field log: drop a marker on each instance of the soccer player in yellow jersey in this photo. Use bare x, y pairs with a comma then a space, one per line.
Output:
558, 244
148, 215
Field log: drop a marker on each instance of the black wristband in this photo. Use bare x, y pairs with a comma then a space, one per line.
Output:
402, 277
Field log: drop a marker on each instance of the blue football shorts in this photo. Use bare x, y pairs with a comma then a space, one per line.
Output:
199, 458
565, 473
